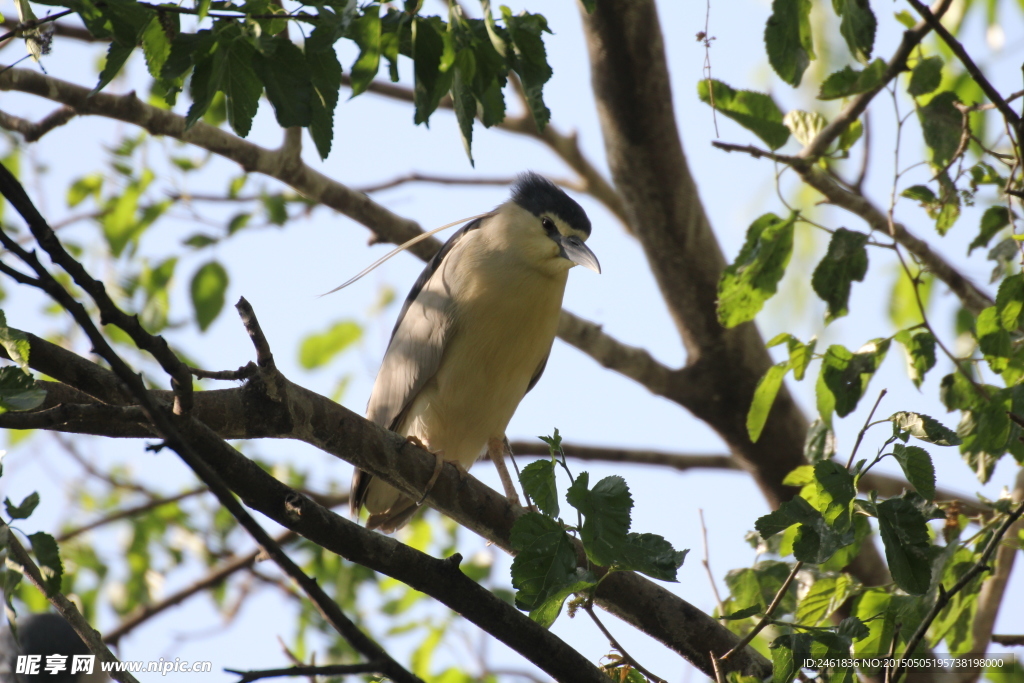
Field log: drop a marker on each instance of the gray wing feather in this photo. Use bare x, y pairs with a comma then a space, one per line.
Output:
417, 342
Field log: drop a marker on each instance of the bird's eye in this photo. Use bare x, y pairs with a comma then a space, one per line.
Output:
549, 225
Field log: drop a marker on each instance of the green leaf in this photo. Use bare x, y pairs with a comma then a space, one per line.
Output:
848, 81
993, 339
531, 62
904, 533
652, 555
926, 76
538, 480
845, 262
925, 428
48, 559
744, 613
544, 571
320, 348
18, 391
920, 347
942, 124
83, 188
853, 628
1010, 302
283, 68
788, 40
433, 56
820, 443
826, 596
804, 125
857, 27
208, 288
325, 75
850, 135
784, 665
463, 100
156, 46
753, 278
993, 220
235, 76
844, 377
918, 468
754, 111
15, 343
764, 397
365, 32
831, 493
24, 509
117, 55
606, 516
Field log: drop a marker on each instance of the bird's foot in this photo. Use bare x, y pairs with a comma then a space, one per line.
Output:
438, 466
496, 452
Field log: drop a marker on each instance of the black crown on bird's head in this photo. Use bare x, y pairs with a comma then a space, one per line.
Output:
538, 195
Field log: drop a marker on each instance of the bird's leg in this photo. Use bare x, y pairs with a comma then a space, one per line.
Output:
496, 452
438, 466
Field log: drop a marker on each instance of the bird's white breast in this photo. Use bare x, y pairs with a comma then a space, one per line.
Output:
507, 317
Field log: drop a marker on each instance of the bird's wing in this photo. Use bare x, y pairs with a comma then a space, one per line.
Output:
417, 342
538, 373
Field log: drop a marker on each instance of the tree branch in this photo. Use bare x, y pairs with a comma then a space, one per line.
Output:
33, 131
66, 608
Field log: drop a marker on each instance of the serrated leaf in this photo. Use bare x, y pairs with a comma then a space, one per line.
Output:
993, 220
764, 397
652, 555
325, 75
788, 40
365, 32
754, 276
848, 81
784, 665
926, 76
805, 125
531, 62
18, 391
156, 46
920, 347
208, 289
283, 69
941, 124
15, 343
908, 552
117, 55
831, 493
925, 428
544, 571
853, 628
24, 509
917, 467
850, 135
754, 111
857, 27
433, 55
48, 559
463, 100
844, 377
845, 262
606, 516
538, 480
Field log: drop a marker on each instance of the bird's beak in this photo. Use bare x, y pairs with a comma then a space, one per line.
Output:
574, 249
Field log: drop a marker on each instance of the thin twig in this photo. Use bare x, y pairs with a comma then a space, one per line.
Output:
34, 23
589, 607
129, 512
325, 670
766, 619
864, 429
247, 371
707, 564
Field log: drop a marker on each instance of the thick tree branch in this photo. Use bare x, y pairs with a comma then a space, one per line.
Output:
33, 131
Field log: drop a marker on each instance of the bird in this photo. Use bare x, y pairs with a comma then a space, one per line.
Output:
45, 634
473, 337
